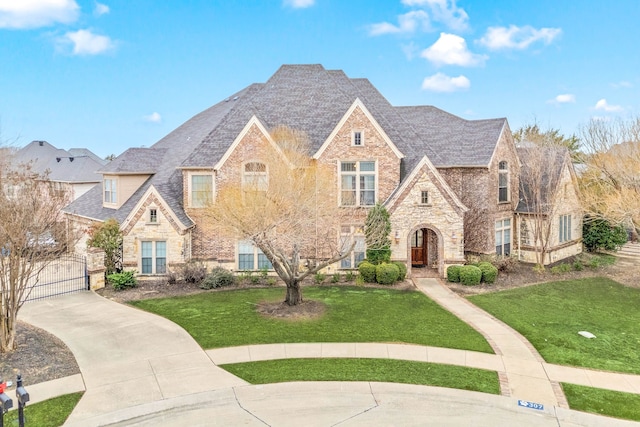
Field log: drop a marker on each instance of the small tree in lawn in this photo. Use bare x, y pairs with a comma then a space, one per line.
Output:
377, 228
108, 237
283, 207
31, 236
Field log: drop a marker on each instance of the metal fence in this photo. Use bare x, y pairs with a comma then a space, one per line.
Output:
65, 275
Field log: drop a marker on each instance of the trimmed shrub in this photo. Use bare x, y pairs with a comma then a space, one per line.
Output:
402, 267
598, 234
124, 280
219, 277
489, 272
387, 274
470, 275
453, 273
319, 277
367, 272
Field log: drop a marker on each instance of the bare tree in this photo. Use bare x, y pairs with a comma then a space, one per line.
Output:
287, 211
542, 164
32, 234
610, 181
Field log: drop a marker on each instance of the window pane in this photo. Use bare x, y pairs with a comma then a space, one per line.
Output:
147, 266
147, 249
348, 166
245, 262
161, 249
263, 262
507, 249
506, 223
367, 166
502, 165
201, 186
346, 263
161, 265
498, 238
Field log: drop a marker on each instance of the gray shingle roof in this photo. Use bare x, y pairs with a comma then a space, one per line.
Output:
73, 166
306, 98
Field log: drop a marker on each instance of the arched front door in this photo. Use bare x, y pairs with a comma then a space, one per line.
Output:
419, 248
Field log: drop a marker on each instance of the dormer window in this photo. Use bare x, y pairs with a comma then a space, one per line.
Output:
110, 190
357, 138
503, 182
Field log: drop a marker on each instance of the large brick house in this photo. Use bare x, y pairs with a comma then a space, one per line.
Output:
451, 185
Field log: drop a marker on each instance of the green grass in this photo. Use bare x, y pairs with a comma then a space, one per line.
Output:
550, 316
603, 402
49, 413
381, 370
354, 314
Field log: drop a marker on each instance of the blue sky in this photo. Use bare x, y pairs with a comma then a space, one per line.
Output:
110, 75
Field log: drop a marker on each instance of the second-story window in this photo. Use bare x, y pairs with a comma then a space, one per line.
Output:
255, 176
358, 183
110, 190
503, 182
201, 190
153, 215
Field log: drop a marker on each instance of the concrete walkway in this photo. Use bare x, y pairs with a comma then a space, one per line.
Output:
141, 369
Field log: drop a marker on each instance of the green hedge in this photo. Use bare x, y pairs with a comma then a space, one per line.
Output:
367, 271
470, 275
402, 267
387, 274
453, 273
489, 272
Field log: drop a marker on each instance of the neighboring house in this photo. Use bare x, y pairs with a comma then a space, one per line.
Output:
72, 171
559, 209
450, 185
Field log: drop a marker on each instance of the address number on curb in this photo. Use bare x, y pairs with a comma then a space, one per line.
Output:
532, 405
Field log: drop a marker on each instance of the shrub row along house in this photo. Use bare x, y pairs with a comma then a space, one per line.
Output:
450, 185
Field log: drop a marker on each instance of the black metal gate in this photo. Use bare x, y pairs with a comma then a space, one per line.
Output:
65, 275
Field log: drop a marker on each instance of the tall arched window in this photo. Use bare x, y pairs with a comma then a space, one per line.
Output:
255, 176
503, 181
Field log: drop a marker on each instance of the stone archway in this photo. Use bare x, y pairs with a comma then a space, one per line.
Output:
425, 249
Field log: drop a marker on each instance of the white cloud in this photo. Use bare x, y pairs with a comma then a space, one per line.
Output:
37, 13
442, 83
154, 117
621, 84
450, 49
407, 23
87, 43
101, 9
444, 11
299, 4
605, 106
517, 37
564, 98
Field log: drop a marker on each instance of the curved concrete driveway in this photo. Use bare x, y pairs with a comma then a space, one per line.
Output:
141, 369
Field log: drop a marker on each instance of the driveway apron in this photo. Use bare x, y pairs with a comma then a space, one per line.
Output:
127, 357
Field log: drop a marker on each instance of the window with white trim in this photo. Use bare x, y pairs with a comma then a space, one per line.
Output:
153, 215
524, 232
357, 138
503, 237
154, 257
201, 190
250, 257
348, 236
564, 228
358, 183
503, 181
255, 177
424, 197
110, 190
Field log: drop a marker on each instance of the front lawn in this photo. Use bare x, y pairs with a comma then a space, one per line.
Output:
381, 370
603, 402
49, 413
354, 314
550, 316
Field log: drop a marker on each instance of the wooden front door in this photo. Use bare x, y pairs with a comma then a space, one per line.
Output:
419, 248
